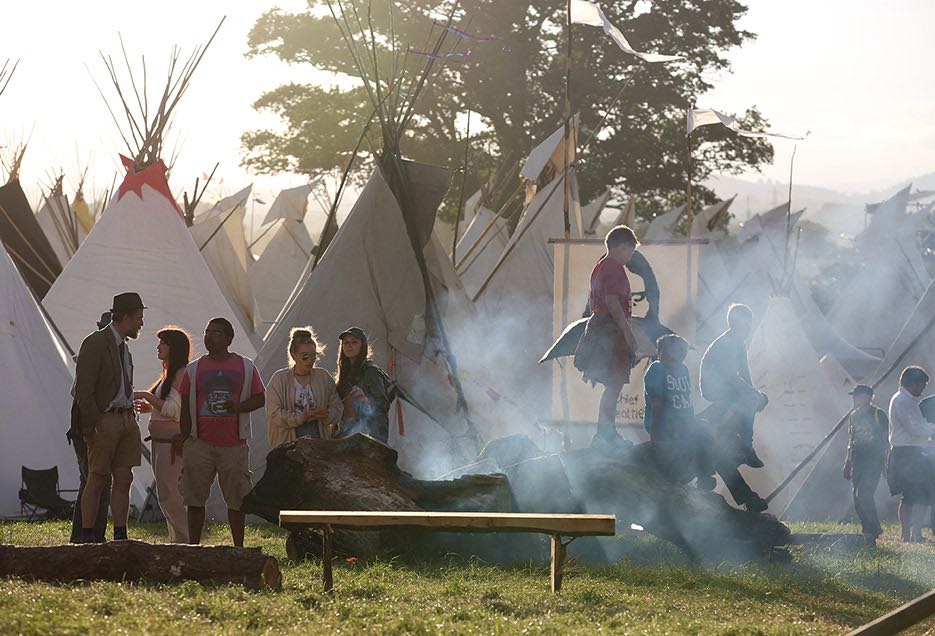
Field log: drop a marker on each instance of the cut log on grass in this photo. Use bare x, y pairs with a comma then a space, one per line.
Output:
140, 561
359, 473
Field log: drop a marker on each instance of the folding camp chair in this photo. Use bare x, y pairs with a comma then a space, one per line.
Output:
40, 491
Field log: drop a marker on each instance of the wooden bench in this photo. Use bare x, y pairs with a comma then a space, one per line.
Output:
555, 525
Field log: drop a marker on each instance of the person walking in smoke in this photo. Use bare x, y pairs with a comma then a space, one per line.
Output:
104, 391
678, 440
725, 382
683, 443
868, 432
605, 352
76, 439
218, 392
909, 470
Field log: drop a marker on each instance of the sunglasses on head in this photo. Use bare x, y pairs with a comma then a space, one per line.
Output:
307, 356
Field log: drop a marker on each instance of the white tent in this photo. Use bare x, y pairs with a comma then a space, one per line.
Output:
141, 244
279, 268
704, 223
914, 345
219, 235
662, 228
61, 226
591, 213
35, 392
807, 397
290, 204
369, 277
480, 247
892, 279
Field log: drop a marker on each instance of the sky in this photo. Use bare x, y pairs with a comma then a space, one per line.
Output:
846, 70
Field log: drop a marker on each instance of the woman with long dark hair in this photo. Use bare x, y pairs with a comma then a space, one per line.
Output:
364, 388
300, 399
165, 404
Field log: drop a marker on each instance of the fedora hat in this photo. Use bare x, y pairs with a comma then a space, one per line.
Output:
127, 301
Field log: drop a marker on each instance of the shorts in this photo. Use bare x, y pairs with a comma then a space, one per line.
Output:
116, 443
603, 356
910, 474
202, 462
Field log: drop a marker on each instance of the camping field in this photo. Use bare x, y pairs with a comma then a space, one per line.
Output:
653, 589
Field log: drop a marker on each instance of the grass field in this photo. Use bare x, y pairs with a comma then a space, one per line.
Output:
651, 590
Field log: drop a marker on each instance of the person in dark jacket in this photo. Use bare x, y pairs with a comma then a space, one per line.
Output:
868, 442
81, 454
364, 388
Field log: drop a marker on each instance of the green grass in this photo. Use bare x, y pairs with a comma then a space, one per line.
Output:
652, 589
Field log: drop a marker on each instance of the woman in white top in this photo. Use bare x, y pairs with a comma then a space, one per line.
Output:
301, 400
165, 405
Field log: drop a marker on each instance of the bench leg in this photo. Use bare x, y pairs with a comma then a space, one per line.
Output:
558, 561
326, 556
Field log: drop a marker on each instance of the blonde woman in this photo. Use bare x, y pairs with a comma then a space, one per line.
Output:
301, 400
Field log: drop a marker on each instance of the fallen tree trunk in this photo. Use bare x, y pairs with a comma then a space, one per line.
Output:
359, 473
141, 561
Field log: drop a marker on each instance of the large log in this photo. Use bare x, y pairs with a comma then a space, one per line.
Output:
361, 474
141, 561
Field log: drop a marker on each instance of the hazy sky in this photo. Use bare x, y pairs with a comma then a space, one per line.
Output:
851, 71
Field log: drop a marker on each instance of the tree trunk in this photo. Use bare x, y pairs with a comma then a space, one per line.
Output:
359, 473
140, 561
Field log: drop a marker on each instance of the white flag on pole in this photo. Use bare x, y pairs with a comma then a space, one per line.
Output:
707, 116
584, 12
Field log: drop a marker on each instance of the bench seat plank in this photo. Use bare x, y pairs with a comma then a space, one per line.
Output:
568, 525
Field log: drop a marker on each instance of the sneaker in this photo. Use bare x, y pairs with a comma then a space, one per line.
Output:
706, 482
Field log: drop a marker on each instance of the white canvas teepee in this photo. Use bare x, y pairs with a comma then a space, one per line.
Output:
141, 244
369, 277
805, 400
480, 247
591, 213
893, 277
290, 204
704, 222
279, 268
914, 345
219, 235
662, 228
35, 392
61, 226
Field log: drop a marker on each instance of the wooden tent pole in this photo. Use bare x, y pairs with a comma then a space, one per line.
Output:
688, 183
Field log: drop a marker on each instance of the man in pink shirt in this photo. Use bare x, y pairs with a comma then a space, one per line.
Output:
219, 391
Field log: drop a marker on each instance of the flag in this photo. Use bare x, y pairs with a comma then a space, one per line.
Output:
584, 12
707, 116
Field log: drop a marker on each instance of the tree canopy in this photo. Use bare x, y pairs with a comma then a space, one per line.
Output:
514, 84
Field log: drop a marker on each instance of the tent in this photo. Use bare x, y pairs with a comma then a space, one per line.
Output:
806, 400
591, 213
892, 276
705, 222
25, 241
480, 247
219, 235
369, 277
663, 227
61, 226
517, 296
280, 266
35, 392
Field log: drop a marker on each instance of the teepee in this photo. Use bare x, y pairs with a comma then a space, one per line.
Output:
664, 227
35, 392
61, 225
806, 400
279, 268
480, 247
219, 235
21, 233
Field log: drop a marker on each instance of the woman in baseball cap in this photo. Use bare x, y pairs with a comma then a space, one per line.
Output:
364, 387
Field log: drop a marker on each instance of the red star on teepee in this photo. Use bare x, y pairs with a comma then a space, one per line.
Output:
154, 176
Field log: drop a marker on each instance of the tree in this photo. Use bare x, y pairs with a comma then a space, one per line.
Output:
515, 85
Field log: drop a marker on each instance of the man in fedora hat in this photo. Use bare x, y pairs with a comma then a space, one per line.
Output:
81, 454
104, 393
868, 441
